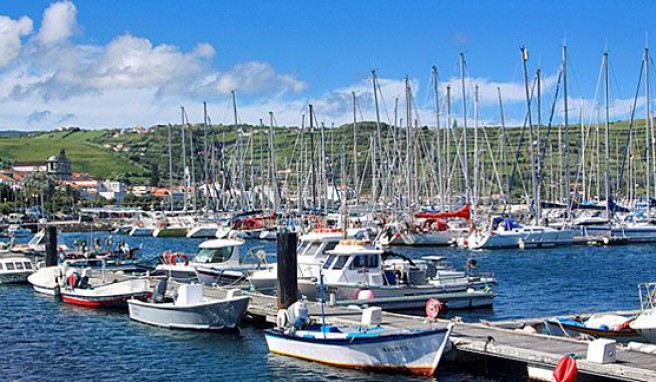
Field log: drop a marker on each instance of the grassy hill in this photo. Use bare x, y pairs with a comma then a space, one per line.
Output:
81, 147
146, 155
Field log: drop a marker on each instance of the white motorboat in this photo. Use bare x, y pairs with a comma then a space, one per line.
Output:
217, 261
311, 254
368, 346
15, 268
46, 280
507, 233
76, 289
354, 270
190, 310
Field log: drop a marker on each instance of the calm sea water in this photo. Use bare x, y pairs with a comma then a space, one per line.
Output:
42, 339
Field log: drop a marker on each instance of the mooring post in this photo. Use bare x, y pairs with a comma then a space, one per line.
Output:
287, 284
51, 245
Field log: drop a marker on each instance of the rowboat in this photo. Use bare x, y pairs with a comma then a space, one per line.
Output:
368, 347
189, 310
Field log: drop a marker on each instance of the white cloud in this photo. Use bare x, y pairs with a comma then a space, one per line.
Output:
11, 32
59, 23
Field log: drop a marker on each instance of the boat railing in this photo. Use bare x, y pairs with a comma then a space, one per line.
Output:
647, 293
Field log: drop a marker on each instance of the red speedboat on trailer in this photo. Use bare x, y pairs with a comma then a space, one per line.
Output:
78, 291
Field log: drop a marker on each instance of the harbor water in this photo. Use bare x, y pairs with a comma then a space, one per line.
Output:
43, 339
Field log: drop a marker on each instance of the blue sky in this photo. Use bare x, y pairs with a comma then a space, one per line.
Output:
122, 63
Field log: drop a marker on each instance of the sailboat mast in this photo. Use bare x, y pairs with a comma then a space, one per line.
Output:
538, 176
205, 159
529, 114
312, 164
448, 147
272, 165
355, 149
502, 143
568, 182
438, 138
476, 153
607, 136
240, 155
170, 169
648, 146
409, 150
184, 159
468, 198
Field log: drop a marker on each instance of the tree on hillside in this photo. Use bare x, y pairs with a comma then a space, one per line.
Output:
154, 175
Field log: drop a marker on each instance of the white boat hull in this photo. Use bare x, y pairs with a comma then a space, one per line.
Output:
417, 354
511, 239
207, 315
14, 277
206, 231
141, 231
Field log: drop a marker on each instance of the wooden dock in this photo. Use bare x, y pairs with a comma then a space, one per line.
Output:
488, 342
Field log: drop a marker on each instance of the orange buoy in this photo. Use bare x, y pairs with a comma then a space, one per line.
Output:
566, 370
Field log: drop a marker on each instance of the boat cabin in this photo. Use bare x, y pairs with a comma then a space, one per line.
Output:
354, 262
218, 251
15, 264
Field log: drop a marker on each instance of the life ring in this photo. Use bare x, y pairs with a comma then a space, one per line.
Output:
434, 307
171, 258
140, 224
161, 225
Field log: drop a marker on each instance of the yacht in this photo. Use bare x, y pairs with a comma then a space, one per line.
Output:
217, 261
507, 233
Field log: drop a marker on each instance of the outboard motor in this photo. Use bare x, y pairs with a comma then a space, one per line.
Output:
159, 293
298, 314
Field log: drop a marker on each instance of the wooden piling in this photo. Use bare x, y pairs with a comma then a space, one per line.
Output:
51, 245
287, 284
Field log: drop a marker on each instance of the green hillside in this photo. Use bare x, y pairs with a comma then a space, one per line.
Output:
143, 158
82, 148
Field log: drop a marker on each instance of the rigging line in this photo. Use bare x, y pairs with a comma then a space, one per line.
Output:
519, 146
543, 146
628, 139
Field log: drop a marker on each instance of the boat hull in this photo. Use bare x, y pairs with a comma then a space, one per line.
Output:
141, 231
109, 295
203, 232
14, 278
566, 330
417, 354
212, 315
171, 232
522, 239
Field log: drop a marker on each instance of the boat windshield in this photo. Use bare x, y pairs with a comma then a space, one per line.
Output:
340, 262
329, 262
364, 261
213, 255
309, 249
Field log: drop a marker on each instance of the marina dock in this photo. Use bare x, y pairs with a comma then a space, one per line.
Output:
495, 343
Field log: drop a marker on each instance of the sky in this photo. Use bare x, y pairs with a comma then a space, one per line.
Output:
122, 63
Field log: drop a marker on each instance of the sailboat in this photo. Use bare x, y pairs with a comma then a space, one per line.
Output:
427, 229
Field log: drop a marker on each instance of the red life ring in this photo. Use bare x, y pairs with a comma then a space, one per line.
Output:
182, 256
434, 307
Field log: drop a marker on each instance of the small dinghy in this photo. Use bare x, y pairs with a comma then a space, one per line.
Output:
608, 326
78, 291
369, 346
189, 310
